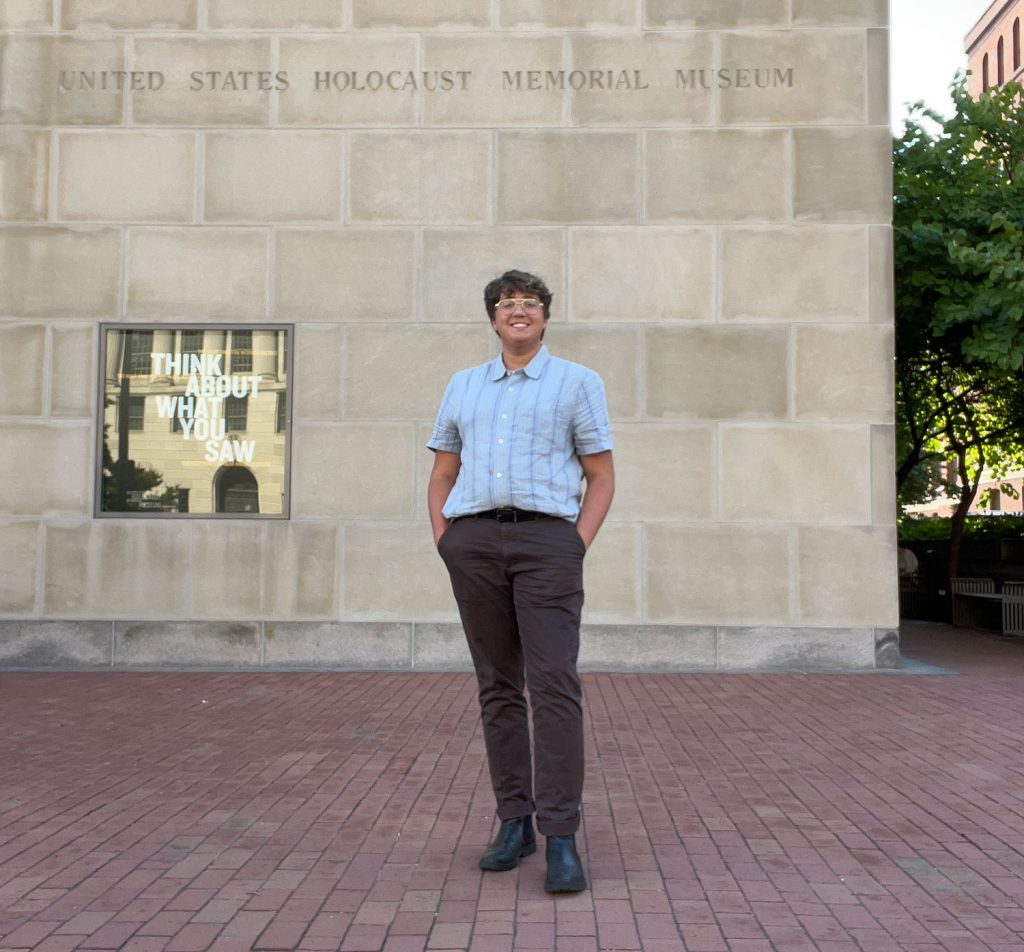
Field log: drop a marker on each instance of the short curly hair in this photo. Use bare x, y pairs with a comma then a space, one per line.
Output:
512, 281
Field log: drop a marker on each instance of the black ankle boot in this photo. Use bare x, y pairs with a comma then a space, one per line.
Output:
565, 871
515, 840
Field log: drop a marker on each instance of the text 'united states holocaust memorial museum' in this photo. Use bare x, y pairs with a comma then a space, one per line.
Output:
404, 80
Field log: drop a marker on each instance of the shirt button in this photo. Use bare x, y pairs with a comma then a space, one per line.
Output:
504, 416
501, 441
498, 475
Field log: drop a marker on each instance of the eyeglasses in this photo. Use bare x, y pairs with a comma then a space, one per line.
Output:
510, 304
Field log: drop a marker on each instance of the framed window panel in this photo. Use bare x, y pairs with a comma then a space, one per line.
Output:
194, 421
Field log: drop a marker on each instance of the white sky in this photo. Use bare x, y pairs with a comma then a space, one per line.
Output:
927, 40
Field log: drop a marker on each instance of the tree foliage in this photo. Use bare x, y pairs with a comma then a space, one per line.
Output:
959, 255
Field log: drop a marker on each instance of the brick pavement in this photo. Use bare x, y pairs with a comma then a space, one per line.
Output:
179, 812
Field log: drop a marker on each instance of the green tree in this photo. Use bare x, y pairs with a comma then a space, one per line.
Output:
959, 255
123, 477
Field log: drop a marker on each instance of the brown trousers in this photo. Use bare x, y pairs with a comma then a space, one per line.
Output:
519, 587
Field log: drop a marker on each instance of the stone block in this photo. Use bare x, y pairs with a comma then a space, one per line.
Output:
663, 473
214, 273
126, 176
841, 13
19, 551
55, 644
844, 372
648, 648
848, 576
613, 352
878, 77
129, 14
226, 565
717, 175
807, 473
45, 469
560, 177
497, 92
275, 15
73, 371
353, 470
329, 78
787, 77
887, 647
26, 15
123, 568
812, 274
24, 174
718, 575
646, 93
843, 174
273, 176
714, 14
568, 14
426, 14
337, 644
228, 99
318, 357
83, 267
881, 275
22, 362
883, 475
187, 644
354, 274
797, 649
641, 274
399, 373
260, 570
300, 571
430, 177
717, 373
459, 262
49, 80
440, 647
611, 575
393, 572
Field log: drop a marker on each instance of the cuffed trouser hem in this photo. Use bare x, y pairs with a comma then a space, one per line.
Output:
512, 811
561, 828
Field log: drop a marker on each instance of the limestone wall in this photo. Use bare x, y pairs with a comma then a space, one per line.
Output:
705, 184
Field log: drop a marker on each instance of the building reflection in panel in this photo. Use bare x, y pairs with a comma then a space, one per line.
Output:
195, 421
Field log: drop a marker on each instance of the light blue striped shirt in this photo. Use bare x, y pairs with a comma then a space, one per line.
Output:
520, 435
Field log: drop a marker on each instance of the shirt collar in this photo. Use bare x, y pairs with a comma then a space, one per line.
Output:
533, 369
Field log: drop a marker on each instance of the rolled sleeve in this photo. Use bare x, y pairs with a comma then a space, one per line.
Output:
446, 436
591, 427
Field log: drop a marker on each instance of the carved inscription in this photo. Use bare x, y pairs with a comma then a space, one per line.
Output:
686, 79
534, 80
396, 80
741, 78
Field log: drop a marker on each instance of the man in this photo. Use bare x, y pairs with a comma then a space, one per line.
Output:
512, 441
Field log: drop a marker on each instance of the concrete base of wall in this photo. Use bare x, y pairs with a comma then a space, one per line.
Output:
415, 646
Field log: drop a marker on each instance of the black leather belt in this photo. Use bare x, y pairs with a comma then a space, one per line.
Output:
508, 514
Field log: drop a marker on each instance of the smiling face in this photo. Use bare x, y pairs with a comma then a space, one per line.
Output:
520, 327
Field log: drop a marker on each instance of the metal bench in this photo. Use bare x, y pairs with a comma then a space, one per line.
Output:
963, 616
1013, 608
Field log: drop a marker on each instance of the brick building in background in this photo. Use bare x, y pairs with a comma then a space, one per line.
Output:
993, 45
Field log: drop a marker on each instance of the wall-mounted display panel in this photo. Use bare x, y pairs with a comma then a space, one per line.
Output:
194, 420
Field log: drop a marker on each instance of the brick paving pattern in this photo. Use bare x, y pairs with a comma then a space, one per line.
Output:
180, 812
